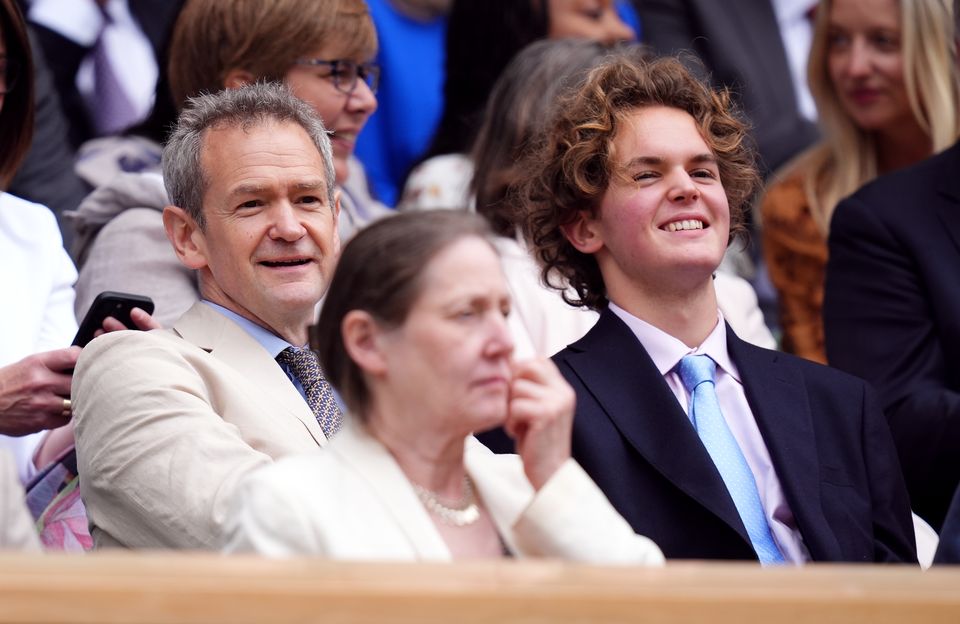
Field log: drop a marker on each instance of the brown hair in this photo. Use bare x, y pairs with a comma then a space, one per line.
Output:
16, 118
517, 111
263, 37
380, 272
570, 172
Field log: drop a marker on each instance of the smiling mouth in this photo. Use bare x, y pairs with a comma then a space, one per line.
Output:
285, 263
686, 224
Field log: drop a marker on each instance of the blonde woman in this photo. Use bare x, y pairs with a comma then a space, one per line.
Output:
883, 75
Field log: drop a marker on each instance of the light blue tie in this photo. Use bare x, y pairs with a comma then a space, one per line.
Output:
697, 374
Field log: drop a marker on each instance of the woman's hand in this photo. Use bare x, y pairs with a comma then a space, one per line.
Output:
540, 418
32, 392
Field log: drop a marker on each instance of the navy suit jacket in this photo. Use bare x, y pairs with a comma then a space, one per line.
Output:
948, 551
826, 436
892, 315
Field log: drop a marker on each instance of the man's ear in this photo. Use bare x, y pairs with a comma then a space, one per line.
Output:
336, 222
361, 337
185, 236
237, 78
583, 233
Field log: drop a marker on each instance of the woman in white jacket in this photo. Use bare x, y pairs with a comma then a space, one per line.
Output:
414, 336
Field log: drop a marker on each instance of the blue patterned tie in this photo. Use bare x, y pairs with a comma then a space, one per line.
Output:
697, 374
306, 368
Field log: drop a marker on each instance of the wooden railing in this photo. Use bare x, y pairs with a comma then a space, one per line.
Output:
193, 588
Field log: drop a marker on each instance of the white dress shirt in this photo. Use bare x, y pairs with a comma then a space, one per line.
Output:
796, 31
666, 352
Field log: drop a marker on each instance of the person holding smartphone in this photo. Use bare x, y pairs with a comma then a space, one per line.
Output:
36, 277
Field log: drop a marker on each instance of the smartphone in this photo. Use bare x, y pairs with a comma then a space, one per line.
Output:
109, 303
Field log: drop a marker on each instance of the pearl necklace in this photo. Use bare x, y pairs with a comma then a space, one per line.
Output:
462, 513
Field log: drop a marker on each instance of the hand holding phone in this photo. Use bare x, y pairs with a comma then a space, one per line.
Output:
116, 305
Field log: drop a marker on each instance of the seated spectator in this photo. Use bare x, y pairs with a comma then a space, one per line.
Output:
321, 50
482, 37
892, 315
883, 76
168, 421
518, 110
414, 335
37, 277
712, 447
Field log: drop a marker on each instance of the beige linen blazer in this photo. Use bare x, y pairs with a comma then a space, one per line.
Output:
352, 501
167, 423
17, 531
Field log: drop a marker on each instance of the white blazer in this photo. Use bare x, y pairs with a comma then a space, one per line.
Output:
36, 279
350, 500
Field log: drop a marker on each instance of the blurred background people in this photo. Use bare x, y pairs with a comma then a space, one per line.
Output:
482, 37
756, 48
37, 275
414, 335
413, 39
104, 56
37, 279
411, 36
882, 73
98, 73
321, 50
891, 315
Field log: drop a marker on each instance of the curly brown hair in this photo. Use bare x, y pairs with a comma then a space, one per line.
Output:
570, 171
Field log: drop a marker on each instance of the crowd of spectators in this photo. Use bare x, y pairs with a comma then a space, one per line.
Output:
447, 279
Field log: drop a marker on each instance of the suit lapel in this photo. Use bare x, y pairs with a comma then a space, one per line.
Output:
778, 398
376, 466
229, 343
620, 375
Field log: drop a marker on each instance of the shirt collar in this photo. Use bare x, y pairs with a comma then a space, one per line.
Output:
666, 351
271, 342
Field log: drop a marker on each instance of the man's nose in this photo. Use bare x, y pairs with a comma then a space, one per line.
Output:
286, 224
683, 188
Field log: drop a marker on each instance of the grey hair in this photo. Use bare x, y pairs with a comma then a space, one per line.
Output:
246, 107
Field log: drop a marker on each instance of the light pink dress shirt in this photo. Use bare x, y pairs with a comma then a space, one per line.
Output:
666, 352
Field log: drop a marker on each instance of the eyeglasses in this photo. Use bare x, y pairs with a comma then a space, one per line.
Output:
345, 73
9, 72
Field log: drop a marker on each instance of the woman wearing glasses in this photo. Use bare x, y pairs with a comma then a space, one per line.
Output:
321, 50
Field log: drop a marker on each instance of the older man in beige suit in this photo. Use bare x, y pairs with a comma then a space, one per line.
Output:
168, 421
